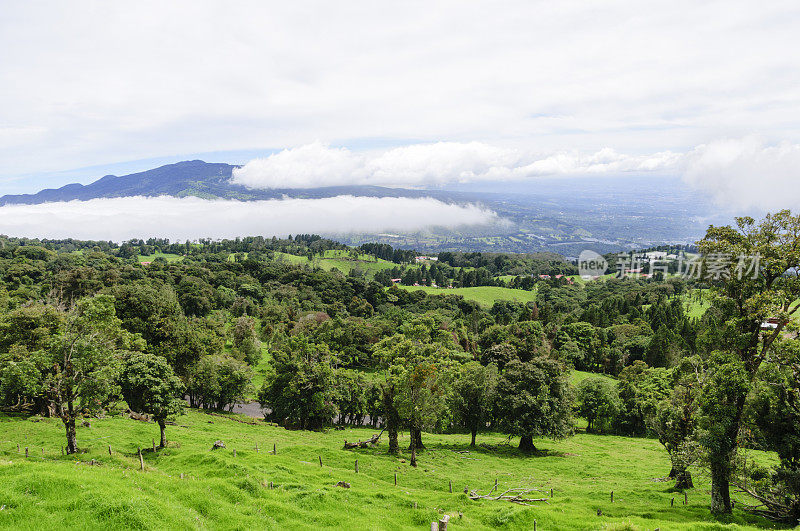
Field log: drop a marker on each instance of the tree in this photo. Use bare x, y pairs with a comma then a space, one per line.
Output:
473, 395
301, 387
150, 386
219, 382
420, 395
534, 399
245, 340
753, 272
84, 361
775, 413
675, 422
720, 409
597, 402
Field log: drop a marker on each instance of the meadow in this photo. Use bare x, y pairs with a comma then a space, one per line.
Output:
244, 486
341, 261
483, 295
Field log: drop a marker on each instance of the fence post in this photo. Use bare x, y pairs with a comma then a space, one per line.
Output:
451, 486
320, 460
356, 466
141, 459
274, 449
26, 452
612, 496
395, 479
109, 450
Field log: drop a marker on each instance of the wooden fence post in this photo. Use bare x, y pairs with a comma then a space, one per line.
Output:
141, 459
356, 466
274, 449
612, 496
672, 502
26, 452
109, 450
395, 479
320, 460
451, 486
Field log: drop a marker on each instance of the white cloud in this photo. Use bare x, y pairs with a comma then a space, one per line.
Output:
308, 166
421, 165
747, 173
123, 218
103, 82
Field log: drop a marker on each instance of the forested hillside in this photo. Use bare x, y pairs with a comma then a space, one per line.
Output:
87, 330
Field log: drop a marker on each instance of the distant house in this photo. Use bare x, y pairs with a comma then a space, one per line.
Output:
395, 280
426, 258
770, 324
145, 263
544, 277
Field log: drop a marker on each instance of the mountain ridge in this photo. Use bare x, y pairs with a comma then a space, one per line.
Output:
207, 180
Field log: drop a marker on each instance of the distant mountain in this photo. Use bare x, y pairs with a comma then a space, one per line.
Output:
557, 215
194, 178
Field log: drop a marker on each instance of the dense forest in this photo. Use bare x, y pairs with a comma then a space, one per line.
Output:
85, 326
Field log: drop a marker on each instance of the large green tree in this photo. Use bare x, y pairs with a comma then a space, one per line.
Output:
83, 360
752, 268
473, 396
150, 386
534, 399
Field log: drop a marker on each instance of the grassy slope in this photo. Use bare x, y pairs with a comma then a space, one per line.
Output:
340, 261
483, 295
225, 492
169, 257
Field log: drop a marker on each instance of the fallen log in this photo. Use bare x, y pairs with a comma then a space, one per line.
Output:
372, 441
514, 495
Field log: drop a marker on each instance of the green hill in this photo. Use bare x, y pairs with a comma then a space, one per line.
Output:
190, 486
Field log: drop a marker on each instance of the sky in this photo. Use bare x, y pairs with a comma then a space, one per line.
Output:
409, 93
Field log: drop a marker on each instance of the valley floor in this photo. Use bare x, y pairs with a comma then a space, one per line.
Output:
189, 486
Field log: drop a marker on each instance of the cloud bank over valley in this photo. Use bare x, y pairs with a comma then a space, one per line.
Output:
123, 218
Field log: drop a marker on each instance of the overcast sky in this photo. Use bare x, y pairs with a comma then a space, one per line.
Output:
568, 87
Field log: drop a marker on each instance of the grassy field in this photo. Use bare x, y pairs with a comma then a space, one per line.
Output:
483, 295
169, 257
341, 261
221, 491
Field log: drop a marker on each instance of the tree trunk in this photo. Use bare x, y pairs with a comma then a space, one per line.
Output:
413, 448
526, 443
162, 424
474, 433
72, 438
720, 489
416, 438
683, 480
